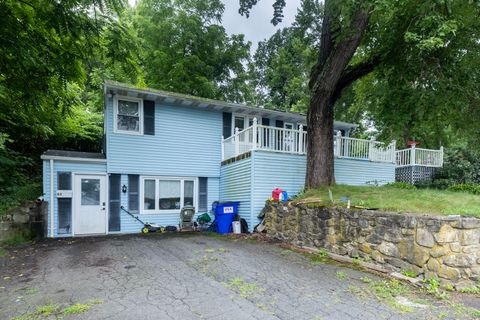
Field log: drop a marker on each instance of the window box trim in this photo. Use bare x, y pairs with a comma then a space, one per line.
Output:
157, 210
115, 115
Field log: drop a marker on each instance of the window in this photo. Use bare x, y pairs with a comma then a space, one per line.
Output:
128, 115
167, 195
90, 192
241, 122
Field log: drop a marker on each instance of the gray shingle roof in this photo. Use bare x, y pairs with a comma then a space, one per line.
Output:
73, 154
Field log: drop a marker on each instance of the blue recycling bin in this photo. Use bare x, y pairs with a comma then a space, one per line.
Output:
224, 213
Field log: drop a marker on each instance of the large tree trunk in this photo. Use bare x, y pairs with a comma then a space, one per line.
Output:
329, 76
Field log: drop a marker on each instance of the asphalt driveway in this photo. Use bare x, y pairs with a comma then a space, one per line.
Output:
189, 277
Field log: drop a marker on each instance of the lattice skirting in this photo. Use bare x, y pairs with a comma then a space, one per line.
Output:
414, 174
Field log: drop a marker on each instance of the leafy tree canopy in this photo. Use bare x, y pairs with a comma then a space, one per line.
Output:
186, 49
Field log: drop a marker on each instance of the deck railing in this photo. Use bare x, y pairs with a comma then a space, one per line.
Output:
293, 141
361, 149
419, 157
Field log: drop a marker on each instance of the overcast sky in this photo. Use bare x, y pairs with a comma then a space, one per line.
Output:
257, 27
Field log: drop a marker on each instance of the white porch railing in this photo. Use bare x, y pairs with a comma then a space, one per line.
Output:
259, 137
419, 157
361, 149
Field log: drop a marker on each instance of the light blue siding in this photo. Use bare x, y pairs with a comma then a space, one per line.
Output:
362, 172
272, 170
187, 142
63, 166
236, 185
265, 171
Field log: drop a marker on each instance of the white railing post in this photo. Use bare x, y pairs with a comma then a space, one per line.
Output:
394, 151
300, 139
237, 142
254, 134
339, 144
223, 148
412, 155
441, 156
371, 149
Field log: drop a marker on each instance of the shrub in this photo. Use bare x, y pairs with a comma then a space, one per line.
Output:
401, 185
466, 187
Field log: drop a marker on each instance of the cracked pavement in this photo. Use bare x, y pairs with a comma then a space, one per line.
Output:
185, 276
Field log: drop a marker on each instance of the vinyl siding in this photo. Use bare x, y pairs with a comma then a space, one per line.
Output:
362, 172
236, 185
66, 166
272, 170
287, 171
187, 142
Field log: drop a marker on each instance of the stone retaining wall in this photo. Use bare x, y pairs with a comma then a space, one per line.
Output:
446, 247
26, 220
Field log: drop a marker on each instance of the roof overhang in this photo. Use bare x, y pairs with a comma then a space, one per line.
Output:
113, 87
74, 156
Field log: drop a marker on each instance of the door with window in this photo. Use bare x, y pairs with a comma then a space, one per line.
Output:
90, 214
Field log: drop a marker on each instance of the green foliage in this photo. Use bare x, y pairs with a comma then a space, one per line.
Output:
465, 187
401, 185
185, 49
280, 70
410, 274
14, 195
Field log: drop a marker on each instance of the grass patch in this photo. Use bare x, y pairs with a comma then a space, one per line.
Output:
78, 308
396, 199
245, 289
53, 310
341, 275
3, 252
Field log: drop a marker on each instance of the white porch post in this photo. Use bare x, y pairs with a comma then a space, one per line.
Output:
223, 148
339, 143
371, 149
441, 156
237, 142
412, 155
300, 139
394, 151
254, 133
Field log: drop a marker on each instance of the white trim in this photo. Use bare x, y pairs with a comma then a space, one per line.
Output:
52, 216
74, 196
48, 157
157, 193
140, 114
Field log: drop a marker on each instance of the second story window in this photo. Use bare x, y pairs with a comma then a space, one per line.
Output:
128, 114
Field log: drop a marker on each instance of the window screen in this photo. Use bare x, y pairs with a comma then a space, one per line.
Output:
114, 203
202, 195
64, 180
133, 192
64, 215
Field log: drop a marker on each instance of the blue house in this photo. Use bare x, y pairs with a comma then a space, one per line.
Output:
163, 151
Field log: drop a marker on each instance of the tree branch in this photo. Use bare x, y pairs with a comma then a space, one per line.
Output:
353, 73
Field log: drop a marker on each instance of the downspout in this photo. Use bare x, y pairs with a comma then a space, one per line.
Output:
51, 198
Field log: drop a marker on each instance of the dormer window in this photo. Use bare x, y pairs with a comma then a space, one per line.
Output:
128, 113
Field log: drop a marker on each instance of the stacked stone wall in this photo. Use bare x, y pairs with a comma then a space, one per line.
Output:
445, 247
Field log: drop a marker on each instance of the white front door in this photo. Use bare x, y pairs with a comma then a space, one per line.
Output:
90, 211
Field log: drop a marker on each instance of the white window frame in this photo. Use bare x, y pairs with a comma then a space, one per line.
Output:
157, 210
246, 120
115, 115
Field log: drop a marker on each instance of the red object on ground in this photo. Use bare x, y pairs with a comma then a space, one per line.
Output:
276, 193
411, 143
